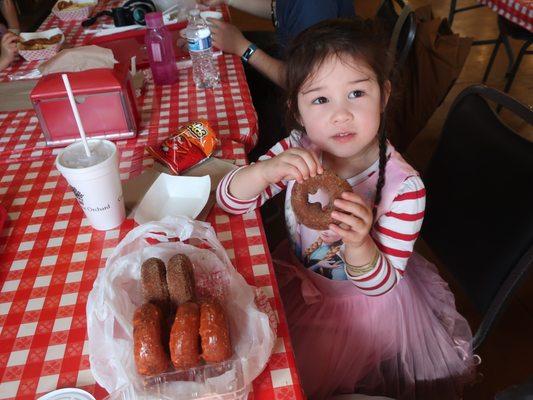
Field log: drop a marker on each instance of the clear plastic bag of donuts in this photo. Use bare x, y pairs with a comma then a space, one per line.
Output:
125, 304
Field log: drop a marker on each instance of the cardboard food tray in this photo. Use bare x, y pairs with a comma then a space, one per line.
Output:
74, 14
43, 54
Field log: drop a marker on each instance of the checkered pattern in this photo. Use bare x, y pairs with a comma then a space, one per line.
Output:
518, 11
50, 256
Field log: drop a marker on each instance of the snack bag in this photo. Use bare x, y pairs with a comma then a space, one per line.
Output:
192, 144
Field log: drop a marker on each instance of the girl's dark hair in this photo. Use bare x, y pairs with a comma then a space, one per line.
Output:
347, 39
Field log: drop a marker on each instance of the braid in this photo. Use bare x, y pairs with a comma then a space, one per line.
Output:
382, 164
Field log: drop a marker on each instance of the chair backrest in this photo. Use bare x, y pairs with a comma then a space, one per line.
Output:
402, 28
479, 213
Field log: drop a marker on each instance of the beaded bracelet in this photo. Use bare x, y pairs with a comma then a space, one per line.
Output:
362, 269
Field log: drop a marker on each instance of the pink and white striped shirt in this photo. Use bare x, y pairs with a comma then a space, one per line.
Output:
395, 231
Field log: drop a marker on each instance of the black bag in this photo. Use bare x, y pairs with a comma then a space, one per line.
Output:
132, 12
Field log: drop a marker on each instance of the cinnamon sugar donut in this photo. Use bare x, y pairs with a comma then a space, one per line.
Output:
180, 279
154, 283
313, 215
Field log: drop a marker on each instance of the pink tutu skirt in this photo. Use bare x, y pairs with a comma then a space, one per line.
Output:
410, 343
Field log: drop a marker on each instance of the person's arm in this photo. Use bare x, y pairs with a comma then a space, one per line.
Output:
9, 12
259, 8
229, 39
271, 67
378, 263
249, 187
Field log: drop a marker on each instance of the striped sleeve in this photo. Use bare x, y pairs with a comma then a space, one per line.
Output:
233, 205
395, 234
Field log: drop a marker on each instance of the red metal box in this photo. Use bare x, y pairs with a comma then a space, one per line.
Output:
105, 100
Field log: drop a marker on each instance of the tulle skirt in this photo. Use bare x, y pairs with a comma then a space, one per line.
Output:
409, 343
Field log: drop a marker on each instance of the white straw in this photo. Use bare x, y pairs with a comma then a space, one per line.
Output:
133, 66
76, 114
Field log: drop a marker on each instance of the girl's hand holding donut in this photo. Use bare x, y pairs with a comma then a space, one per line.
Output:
355, 218
295, 163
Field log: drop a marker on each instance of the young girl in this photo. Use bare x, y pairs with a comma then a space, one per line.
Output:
365, 313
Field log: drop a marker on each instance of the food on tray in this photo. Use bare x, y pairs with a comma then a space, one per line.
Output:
40, 43
214, 332
180, 279
69, 5
184, 336
313, 215
192, 144
199, 332
154, 283
150, 355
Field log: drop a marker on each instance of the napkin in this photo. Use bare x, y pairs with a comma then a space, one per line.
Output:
79, 59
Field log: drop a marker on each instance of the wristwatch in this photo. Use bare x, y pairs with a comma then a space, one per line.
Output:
248, 53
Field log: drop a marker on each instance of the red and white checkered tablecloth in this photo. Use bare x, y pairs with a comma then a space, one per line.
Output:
228, 108
50, 256
518, 11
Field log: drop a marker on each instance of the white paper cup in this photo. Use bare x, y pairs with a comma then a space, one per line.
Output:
97, 187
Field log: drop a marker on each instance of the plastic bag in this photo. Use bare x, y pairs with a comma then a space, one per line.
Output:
117, 293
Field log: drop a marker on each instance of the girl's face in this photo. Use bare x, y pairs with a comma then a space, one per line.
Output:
340, 107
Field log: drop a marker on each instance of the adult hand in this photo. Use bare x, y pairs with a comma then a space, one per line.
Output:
8, 49
227, 37
355, 217
294, 163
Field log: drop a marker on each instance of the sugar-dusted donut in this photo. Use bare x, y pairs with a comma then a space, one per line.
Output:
180, 279
313, 215
154, 283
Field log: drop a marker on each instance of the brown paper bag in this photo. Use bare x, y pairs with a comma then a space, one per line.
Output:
432, 67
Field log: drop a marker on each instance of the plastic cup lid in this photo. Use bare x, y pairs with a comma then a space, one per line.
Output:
67, 394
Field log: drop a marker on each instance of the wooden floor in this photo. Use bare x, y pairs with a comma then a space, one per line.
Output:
507, 354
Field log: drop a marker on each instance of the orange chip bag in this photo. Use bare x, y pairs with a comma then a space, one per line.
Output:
192, 144
202, 135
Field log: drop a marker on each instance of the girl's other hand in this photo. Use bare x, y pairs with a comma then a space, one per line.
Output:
8, 49
295, 163
355, 218
227, 37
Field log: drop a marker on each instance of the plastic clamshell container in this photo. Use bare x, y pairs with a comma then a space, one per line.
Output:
220, 381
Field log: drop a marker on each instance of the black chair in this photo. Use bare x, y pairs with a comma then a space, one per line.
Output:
479, 213
402, 28
454, 10
510, 29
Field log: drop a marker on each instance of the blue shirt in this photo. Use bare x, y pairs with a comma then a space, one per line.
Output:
295, 16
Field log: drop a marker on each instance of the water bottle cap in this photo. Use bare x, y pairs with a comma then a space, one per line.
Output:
154, 19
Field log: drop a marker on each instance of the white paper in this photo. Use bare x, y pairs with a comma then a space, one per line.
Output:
173, 196
24, 36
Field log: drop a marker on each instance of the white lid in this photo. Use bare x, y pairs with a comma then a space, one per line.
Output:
67, 394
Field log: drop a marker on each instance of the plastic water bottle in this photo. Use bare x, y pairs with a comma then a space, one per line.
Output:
160, 50
204, 68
